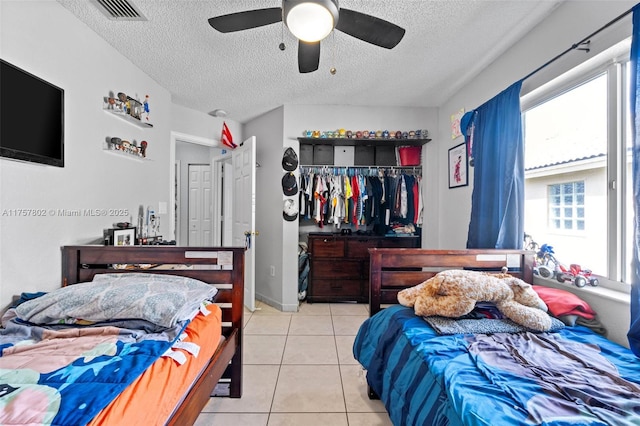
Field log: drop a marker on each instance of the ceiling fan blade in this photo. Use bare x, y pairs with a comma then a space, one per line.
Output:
308, 56
369, 28
246, 20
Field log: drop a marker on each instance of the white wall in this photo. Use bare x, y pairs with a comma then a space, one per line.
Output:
568, 24
45, 39
196, 123
268, 130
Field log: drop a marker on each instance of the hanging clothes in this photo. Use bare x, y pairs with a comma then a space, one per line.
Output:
371, 198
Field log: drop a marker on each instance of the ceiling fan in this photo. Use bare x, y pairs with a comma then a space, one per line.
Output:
311, 21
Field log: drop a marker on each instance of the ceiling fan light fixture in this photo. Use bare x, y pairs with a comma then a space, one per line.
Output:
310, 21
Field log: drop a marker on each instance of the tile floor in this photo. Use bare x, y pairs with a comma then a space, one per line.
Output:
299, 370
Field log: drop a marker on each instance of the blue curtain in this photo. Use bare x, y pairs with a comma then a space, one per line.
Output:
634, 330
497, 202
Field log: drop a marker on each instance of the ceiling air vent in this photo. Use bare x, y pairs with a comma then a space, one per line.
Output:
119, 10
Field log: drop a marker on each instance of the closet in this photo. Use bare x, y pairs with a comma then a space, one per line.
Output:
371, 203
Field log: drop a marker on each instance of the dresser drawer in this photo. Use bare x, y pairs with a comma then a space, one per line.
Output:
337, 288
326, 247
358, 248
329, 269
399, 242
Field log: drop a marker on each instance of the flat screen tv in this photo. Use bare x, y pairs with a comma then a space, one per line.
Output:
31, 117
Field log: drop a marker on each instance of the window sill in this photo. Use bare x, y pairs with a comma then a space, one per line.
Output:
603, 292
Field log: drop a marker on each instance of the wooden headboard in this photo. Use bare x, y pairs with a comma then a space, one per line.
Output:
392, 270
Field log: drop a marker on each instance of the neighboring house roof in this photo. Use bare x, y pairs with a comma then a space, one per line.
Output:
567, 161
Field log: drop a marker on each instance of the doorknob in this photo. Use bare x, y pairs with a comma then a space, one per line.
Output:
247, 238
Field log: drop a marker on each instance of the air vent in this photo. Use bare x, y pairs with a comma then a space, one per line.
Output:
119, 10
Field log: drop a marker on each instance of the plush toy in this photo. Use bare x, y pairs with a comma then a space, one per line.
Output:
454, 293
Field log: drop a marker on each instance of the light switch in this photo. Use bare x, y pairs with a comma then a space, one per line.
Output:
162, 207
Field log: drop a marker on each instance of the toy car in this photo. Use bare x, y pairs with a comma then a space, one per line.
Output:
578, 276
547, 266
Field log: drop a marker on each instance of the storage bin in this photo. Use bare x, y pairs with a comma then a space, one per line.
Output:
409, 155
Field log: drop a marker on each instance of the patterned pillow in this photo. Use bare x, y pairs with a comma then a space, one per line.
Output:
161, 299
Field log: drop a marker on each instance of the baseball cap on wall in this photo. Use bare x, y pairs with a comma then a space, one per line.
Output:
465, 122
290, 160
290, 210
289, 184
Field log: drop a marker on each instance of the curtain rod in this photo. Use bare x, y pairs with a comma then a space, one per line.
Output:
580, 45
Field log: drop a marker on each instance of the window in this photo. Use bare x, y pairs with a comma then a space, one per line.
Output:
578, 166
566, 206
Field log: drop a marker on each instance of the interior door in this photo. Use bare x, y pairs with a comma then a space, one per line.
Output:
199, 210
244, 212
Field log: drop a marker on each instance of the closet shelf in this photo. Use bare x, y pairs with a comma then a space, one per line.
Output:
329, 166
363, 142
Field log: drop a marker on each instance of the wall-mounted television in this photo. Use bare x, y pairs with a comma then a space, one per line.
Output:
31, 117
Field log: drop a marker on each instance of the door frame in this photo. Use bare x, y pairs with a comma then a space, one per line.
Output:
221, 166
174, 138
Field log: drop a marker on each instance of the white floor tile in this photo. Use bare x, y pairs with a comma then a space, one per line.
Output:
299, 370
310, 389
347, 325
226, 419
354, 384
258, 386
263, 349
344, 345
349, 309
268, 324
310, 350
308, 419
314, 309
311, 325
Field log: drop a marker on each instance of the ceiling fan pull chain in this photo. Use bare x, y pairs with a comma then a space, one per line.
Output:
332, 70
282, 46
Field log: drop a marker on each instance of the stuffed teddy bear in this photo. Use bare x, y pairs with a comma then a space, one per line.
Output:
454, 293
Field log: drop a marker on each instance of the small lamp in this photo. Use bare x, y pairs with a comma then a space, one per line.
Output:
311, 20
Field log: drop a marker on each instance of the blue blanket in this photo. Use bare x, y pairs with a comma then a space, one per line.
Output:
569, 377
64, 375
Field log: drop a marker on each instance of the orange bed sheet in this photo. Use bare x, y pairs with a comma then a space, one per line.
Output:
153, 397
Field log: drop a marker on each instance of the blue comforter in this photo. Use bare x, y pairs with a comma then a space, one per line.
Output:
570, 377
64, 375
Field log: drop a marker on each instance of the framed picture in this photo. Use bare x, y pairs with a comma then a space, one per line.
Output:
122, 236
458, 166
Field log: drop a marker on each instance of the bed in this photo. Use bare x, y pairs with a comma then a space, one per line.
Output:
156, 367
567, 377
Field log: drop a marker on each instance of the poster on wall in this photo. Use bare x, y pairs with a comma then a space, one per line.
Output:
455, 123
458, 166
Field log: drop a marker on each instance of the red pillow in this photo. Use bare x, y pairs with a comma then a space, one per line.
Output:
562, 302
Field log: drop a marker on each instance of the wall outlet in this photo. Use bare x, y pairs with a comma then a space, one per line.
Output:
272, 271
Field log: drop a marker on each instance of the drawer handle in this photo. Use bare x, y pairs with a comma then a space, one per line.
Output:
334, 285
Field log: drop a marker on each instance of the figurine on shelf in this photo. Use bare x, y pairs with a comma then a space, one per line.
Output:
143, 148
144, 116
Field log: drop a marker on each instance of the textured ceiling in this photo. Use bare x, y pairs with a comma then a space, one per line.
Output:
446, 43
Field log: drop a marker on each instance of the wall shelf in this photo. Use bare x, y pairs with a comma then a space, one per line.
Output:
123, 154
128, 118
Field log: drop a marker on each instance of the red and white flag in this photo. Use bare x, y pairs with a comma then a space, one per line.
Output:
226, 138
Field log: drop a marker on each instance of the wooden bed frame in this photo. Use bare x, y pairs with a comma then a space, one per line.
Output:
81, 263
392, 270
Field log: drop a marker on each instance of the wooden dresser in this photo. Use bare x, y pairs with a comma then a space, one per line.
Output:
339, 264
